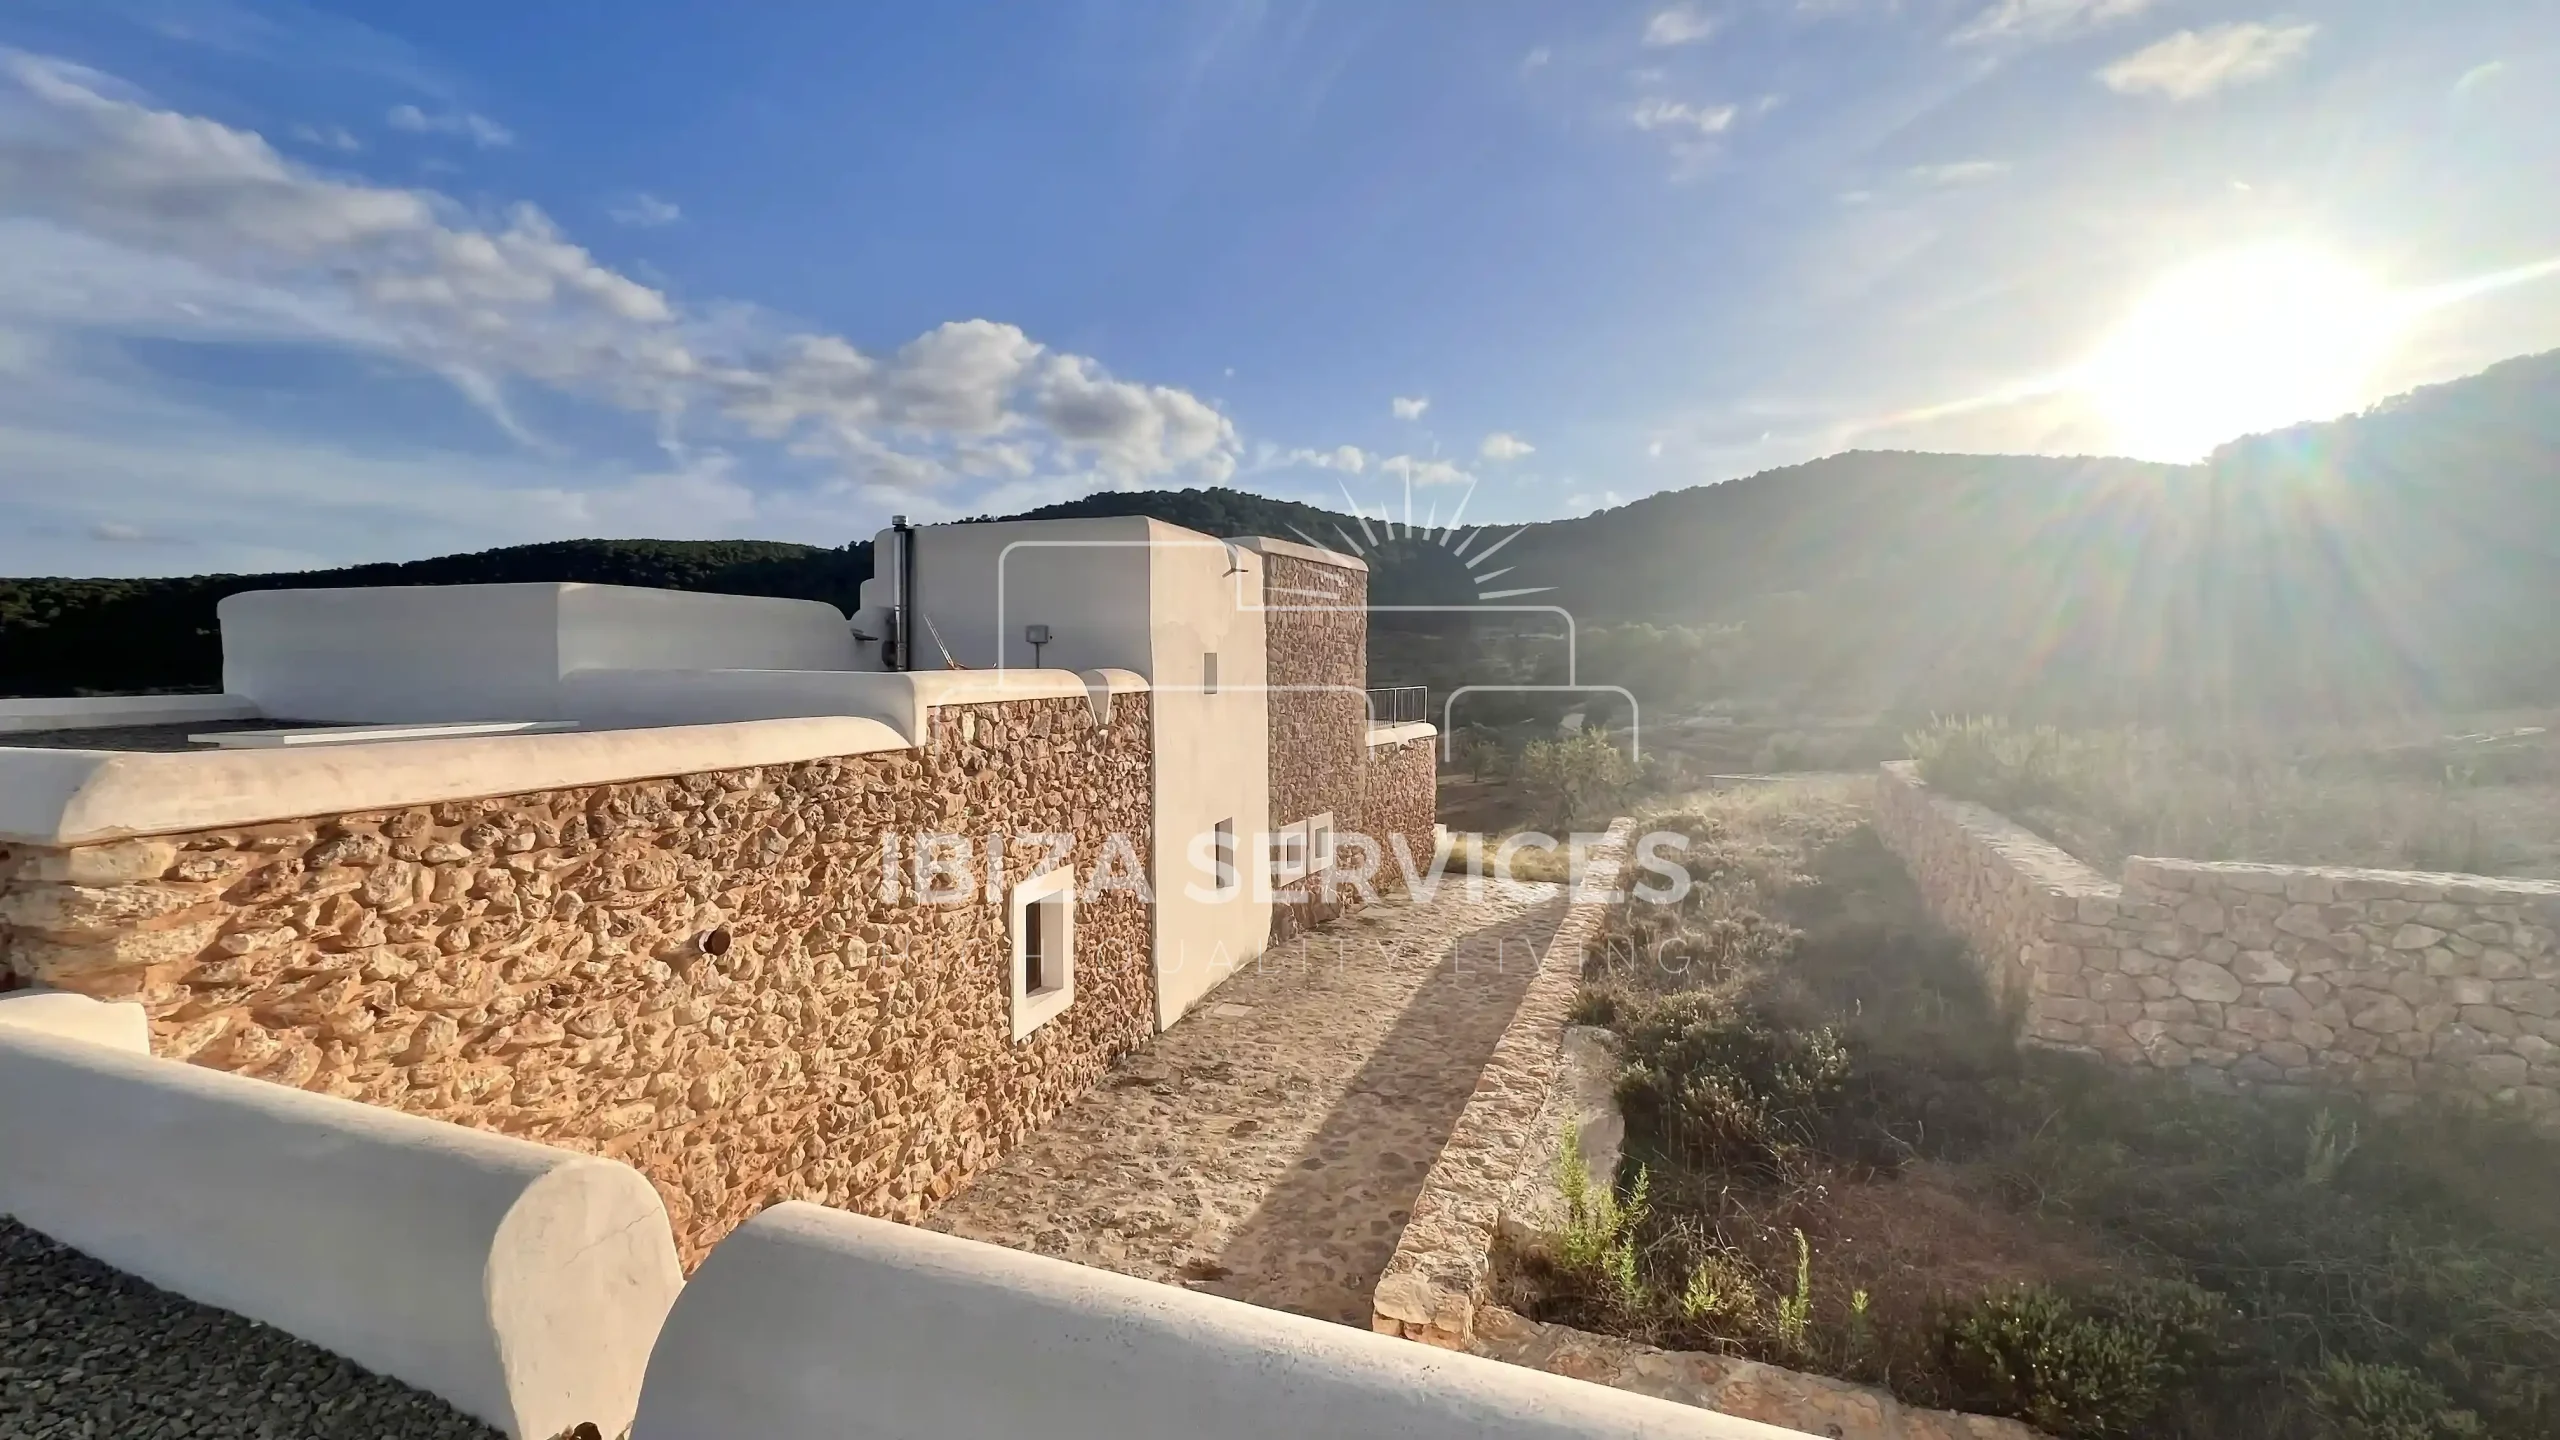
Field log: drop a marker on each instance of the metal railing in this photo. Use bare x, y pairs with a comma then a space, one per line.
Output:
1399, 704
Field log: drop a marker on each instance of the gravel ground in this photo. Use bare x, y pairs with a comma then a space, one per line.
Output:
90, 1353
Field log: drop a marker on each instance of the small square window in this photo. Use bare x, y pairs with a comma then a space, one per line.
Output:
1044, 949
1289, 854
1320, 842
1209, 672
1223, 852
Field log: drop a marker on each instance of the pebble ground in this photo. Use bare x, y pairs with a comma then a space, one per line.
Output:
90, 1353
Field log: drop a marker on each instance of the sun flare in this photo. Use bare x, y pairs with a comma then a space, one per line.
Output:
2244, 342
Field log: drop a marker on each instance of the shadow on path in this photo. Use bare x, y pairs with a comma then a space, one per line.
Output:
1327, 1226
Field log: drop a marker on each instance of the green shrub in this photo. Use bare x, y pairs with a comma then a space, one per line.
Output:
2103, 1362
1714, 1082
2000, 765
1577, 776
1596, 1253
1723, 1294
2350, 1401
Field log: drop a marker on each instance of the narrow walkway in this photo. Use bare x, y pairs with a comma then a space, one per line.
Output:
1268, 1147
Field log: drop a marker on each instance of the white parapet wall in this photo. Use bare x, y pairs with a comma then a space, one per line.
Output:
903, 701
101, 712
522, 1284
117, 1024
80, 797
815, 1324
410, 653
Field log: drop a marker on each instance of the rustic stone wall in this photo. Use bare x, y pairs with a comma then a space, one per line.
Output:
1317, 648
1400, 796
2003, 888
2389, 983
536, 964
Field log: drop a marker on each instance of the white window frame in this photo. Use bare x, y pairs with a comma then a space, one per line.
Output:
1052, 893
1320, 842
1289, 854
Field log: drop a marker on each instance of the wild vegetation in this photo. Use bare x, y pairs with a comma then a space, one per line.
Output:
2478, 803
1838, 1160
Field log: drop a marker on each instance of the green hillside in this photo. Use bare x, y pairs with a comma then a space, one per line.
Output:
2402, 560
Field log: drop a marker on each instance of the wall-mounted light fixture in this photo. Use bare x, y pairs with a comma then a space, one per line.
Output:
1037, 636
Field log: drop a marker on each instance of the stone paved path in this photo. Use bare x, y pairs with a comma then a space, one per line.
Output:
1267, 1147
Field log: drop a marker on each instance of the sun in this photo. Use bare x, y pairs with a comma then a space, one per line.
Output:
2244, 342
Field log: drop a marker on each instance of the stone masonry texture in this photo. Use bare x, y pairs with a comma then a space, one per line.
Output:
1316, 629
1400, 799
2382, 982
1812, 1404
699, 975
1433, 1285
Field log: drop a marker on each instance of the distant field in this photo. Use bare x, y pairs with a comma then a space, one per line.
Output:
2470, 794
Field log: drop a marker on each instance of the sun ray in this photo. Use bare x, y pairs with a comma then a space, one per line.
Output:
1490, 550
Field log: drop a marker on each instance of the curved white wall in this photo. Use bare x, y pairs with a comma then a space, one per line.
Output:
814, 1324
118, 1024
521, 1283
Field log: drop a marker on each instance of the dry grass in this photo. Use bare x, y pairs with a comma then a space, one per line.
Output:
2484, 802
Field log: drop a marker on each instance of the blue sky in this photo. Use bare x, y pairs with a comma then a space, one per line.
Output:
289, 285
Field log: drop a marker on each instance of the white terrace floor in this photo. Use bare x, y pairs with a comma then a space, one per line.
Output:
1269, 1146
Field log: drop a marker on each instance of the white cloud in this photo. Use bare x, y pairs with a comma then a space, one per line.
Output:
328, 137
1349, 459
2034, 20
1679, 25
127, 216
646, 212
1536, 59
1417, 470
1133, 431
1959, 172
1503, 447
1411, 407
2195, 63
1679, 115
480, 130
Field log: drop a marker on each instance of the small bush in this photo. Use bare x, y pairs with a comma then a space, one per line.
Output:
2349, 1401
1597, 1251
2102, 1363
1580, 775
1723, 1295
2002, 766
1714, 1082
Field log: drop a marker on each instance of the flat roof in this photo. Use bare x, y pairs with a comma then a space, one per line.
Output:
137, 739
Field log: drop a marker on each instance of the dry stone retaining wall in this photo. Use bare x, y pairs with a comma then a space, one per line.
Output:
1432, 1286
538, 965
2389, 983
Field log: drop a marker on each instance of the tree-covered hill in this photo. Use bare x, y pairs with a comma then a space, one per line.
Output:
2404, 559
60, 637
